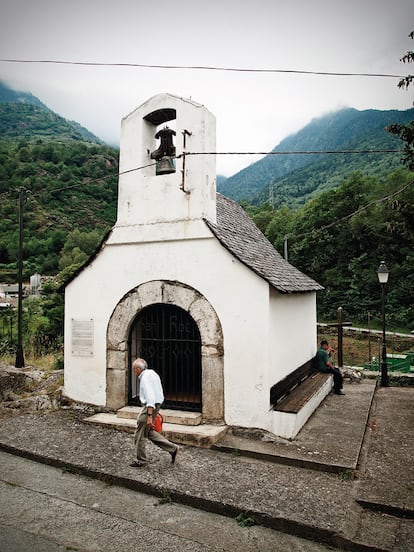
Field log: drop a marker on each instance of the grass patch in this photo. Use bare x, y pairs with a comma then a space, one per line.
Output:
45, 363
165, 498
245, 520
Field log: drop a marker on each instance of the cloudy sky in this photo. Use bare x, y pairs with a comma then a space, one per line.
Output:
254, 111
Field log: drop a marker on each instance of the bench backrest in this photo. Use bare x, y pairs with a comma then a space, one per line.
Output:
288, 383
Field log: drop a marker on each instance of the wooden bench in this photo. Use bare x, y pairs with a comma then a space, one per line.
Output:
296, 400
296, 396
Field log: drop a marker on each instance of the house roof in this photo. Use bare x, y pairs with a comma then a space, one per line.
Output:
236, 231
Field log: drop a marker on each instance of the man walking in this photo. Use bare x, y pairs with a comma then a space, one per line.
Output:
325, 365
151, 396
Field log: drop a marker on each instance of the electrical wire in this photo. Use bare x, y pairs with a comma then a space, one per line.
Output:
326, 152
202, 68
347, 217
321, 152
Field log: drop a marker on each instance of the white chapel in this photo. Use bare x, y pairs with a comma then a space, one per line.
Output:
186, 280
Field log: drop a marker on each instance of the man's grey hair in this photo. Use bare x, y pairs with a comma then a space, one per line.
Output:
141, 363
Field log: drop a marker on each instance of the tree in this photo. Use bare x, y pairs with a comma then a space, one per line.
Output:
407, 58
406, 132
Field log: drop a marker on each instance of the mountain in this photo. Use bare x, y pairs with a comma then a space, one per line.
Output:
8, 95
70, 181
24, 116
293, 179
220, 180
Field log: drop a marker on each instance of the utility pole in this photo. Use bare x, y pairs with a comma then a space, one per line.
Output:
285, 247
19, 351
340, 337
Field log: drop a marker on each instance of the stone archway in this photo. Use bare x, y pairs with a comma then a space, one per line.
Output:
189, 299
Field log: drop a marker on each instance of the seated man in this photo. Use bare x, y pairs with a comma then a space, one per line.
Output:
325, 365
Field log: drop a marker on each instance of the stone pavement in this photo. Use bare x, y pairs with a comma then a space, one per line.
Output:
347, 480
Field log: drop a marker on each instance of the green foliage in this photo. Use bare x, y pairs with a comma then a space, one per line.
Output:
78, 247
245, 520
71, 198
408, 57
165, 498
34, 120
42, 324
70, 201
340, 243
62, 196
406, 134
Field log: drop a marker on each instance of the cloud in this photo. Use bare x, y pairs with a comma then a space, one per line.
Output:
254, 111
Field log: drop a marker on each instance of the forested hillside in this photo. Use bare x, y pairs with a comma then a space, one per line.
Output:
8, 95
340, 237
64, 198
24, 116
294, 179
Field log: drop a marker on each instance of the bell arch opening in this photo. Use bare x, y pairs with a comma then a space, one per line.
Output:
121, 328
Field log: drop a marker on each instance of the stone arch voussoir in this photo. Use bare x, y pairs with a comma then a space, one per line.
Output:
208, 323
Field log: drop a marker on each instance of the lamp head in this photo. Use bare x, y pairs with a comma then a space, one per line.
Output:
383, 273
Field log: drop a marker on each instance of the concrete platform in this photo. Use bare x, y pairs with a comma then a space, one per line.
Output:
170, 416
203, 435
330, 441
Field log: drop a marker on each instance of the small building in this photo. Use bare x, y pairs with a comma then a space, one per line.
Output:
9, 290
186, 280
35, 284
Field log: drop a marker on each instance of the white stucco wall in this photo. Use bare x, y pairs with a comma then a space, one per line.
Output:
292, 332
160, 234
204, 265
142, 193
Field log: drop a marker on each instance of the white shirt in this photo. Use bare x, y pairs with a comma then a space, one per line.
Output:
150, 388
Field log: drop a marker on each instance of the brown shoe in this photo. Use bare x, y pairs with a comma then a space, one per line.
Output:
137, 464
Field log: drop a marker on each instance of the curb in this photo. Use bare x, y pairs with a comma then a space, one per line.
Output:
396, 511
284, 460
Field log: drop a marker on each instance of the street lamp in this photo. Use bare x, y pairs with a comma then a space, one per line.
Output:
383, 274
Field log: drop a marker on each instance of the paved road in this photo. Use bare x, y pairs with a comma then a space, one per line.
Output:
44, 509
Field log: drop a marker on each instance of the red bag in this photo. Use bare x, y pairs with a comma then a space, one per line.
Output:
159, 420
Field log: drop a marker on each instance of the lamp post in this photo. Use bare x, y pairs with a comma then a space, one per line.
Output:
383, 274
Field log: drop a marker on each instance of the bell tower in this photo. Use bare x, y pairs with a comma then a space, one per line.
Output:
167, 182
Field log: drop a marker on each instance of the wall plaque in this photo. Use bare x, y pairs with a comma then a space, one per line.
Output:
82, 337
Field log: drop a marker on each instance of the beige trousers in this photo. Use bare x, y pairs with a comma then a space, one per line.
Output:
142, 433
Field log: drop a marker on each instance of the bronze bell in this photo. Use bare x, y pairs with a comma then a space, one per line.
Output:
165, 153
165, 165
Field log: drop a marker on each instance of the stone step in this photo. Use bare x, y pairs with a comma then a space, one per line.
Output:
181, 417
203, 435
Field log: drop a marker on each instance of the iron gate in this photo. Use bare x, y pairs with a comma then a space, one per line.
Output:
167, 337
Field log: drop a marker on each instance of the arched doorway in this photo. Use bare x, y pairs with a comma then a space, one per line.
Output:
124, 316
169, 340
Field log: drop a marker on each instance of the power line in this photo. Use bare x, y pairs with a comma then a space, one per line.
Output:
95, 180
325, 152
83, 183
320, 152
203, 68
103, 178
359, 210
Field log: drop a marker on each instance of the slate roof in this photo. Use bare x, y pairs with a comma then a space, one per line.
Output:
236, 231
